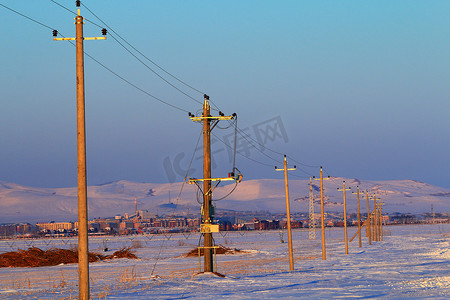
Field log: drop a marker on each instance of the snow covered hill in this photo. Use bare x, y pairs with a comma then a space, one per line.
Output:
30, 204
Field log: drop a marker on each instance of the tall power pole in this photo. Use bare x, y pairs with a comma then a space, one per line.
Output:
83, 251
288, 211
207, 196
345, 215
207, 228
312, 221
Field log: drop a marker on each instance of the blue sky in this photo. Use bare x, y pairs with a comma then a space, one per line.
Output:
360, 87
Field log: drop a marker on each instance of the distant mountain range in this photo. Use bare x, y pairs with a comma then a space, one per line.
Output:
30, 204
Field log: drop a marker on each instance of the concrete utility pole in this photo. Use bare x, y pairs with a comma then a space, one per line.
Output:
288, 212
345, 215
83, 251
359, 217
368, 219
207, 228
324, 255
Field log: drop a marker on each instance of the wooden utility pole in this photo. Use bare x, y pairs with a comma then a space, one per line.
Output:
324, 255
288, 212
207, 228
381, 222
207, 195
378, 216
83, 251
345, 215
359, 216
368, 219
375, 219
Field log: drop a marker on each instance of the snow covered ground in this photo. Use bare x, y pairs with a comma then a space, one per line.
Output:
412, 262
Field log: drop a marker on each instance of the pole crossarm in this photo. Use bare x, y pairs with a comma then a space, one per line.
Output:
290, 169
212, 118
85, 38
237, 178
194, 180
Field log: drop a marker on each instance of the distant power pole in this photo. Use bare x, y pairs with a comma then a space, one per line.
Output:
375, 219
381, 219
324, 255
83, 251
359, 216
368, 219
345, 215
433, 215
378, 217
312, 225
288, 212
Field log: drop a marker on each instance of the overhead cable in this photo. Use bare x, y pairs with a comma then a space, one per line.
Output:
148, 67
31, 19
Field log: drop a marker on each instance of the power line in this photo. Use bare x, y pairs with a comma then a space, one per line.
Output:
161, 68
63, 7
74, 13
135, 56
31, 19
240, 131
292, 174
154, 72
98, 62
135, 86
244, 135
187, 171
261, 163
303, 164
148, 67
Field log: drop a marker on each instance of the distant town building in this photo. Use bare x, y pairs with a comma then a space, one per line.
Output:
53, 226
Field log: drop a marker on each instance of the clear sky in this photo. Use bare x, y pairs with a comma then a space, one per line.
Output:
360, 87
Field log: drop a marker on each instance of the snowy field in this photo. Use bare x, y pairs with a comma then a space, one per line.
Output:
412, 262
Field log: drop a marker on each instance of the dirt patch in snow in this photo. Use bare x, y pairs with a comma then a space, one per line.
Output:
35, 257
